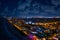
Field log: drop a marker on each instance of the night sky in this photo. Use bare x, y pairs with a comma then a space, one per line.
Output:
28, 8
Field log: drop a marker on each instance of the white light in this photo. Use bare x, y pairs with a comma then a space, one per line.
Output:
30, 22
34, 32
33, 23
26, 22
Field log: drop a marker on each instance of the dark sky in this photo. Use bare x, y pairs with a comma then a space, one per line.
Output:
28, 8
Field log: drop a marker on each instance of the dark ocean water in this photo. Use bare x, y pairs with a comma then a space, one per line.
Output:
8, 32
